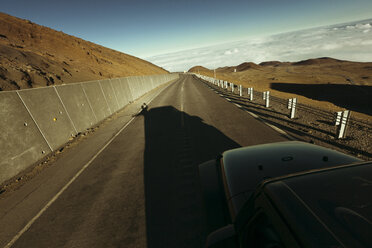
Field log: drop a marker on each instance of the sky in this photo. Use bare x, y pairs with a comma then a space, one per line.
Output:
348, 41
145, 28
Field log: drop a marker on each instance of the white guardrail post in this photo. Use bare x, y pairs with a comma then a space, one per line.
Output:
240, 90
343, 124
289, 103
251, 94
267, 99
292, 107
338, 118
232, 87
264, 95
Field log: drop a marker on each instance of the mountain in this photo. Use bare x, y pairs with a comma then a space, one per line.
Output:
32, 56
198, 69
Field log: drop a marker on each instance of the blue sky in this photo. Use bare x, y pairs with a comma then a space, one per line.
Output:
145, 28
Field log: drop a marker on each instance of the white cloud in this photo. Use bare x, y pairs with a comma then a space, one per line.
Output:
351, 41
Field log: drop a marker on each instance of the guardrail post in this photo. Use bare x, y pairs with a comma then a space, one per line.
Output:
251, 94
240, 90
293, 108
289, 103
264, 95
232, 87
343, 124
338, 118
267, 99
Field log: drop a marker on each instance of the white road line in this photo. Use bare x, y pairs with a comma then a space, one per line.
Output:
272, 126
254, 115
32, 221
279, 131
257, 117
275, 128
60, 192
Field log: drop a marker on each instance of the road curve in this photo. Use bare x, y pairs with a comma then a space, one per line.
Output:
142, 190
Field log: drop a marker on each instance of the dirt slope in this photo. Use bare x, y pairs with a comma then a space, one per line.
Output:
33, 56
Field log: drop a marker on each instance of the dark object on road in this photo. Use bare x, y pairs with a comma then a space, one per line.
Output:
287, 194
144, 106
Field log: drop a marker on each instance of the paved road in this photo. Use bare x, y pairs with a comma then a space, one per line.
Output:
142, 190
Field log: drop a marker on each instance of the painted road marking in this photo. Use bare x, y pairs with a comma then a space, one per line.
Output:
60, 192
257, 117
254, 115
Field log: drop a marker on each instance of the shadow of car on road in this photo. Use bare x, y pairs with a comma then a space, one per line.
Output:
176, 143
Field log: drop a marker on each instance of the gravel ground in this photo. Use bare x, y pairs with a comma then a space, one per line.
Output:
310, 124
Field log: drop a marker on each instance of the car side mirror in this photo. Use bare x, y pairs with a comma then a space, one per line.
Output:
223, 237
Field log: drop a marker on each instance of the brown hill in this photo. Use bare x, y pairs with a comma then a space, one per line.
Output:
33, 56
198, 68
272, 63
318, 61
246, 66
227, 69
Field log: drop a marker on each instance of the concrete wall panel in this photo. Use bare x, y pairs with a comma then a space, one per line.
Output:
119, 92
21, 142
126, 89
49, 114
132, 83
110, 95
97, 100
77, 106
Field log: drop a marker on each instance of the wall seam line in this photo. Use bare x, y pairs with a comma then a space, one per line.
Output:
99, 82
64, 107
32, 117
86, 96
117, 101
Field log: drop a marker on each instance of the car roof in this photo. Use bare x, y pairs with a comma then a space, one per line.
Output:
338, 200
244, 168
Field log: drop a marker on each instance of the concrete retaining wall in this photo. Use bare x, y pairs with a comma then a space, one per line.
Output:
35, 122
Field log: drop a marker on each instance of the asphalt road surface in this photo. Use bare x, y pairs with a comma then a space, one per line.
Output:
142, 189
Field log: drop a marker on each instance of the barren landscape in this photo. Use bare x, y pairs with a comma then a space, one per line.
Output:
325, 83
35, 56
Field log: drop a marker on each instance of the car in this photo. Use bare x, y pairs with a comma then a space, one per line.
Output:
287, 194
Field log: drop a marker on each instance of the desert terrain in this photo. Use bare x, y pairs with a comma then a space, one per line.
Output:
35, 56
325, 83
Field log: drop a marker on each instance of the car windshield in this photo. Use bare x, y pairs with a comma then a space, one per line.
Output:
342, 199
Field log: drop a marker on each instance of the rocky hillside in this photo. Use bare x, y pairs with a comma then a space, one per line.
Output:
34, 56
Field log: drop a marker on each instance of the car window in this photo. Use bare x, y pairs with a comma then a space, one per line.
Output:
341, 199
